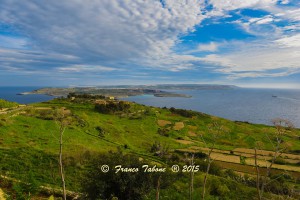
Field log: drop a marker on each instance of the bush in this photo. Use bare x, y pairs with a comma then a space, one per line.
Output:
24, 191
243, 160
159, 149
163, 132
218, 188
100, 130
214, 168
112, 107
85, 96
231, 174
280, 161
46, 115
182, 112
99, 185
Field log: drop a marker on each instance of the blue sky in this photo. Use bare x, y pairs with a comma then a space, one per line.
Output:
253, 43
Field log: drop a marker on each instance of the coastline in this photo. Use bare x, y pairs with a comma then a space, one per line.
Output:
235, 104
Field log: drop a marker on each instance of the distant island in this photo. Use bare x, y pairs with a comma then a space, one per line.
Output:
130, 90
112, 92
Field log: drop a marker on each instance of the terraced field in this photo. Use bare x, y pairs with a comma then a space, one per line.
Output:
28, 141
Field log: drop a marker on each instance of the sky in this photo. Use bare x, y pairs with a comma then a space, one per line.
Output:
249, 43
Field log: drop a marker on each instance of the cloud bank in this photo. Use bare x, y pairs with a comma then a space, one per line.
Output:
109, 36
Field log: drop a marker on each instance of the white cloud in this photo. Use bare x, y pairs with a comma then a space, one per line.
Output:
84, 68
204, 47
104, 31
290, 41
292, 14
12, 42
238, 4
106, 35
212, 47
285, 2
260, 59
265, 20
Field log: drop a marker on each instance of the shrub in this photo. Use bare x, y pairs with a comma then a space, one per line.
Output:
99, 185
100, 131
112, 107
85, 96
280, 161
163, 132
159, 149
182, 112
24, 190
243, 160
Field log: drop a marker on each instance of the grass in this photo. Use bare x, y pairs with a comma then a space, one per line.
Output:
7, 104
29, 142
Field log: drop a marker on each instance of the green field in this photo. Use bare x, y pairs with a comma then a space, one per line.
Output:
29, 147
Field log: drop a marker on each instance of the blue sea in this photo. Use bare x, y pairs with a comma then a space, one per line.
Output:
11, 94
257, 106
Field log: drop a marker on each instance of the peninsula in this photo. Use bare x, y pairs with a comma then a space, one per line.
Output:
130, 90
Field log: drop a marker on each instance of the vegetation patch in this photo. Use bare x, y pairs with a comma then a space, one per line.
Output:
184, 141
225, 157
2, 195
192, 134
178, 126
137, 135
7, 104
163, 123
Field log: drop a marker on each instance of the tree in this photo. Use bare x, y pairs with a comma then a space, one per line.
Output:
192, 163
62, 118
276, 140
215, 130
158, 188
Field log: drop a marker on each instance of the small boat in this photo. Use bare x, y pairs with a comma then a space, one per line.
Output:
274, 96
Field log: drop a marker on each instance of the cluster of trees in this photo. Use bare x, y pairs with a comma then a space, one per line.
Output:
183, 112
85, 96
140, 185
112, 185
112, 107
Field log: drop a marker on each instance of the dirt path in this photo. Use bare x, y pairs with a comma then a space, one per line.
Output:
2, 195
12, 110
4, 112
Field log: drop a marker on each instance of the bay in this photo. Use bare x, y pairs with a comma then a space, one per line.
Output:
11, 94
257, 106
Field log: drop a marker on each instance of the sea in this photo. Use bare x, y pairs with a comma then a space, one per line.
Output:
13, 94
258, 106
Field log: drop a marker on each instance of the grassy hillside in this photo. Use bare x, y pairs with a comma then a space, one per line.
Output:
29, 146
7, 104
